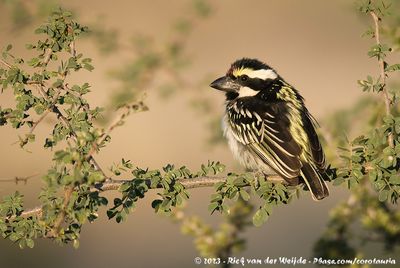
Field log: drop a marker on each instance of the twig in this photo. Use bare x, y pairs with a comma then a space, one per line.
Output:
383, 75
112, 185
60, 115
47, 57
18, 179
61, 216
72, 47
117, 122
36, 123
5, 64
37, 211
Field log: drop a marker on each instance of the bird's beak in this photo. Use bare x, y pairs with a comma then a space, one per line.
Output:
225, 84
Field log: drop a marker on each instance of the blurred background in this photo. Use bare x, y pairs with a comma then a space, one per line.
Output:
315, 45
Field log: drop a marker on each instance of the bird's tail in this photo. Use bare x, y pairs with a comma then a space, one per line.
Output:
315, 182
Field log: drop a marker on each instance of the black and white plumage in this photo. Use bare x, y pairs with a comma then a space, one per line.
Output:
268, 128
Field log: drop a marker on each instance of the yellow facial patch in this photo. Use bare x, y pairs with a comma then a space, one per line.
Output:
241, 71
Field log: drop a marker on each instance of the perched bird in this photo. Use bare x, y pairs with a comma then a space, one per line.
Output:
268, 126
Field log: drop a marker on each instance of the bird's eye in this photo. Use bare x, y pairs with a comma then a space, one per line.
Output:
244, 78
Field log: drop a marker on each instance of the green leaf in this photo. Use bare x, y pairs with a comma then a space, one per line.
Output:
88, 67
357, 173
14, 237
395, 179
119, 217
392, 68
245, 195
156, 204
30, 243
338, 181
213, 206
72, 64
125, 187
219, 185
117, 202
76, 244
95, 177
383, 195
260, 217
34, 62
111, 213
216, 197
58, 83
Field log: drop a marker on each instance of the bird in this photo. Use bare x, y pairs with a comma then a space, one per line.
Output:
268, 127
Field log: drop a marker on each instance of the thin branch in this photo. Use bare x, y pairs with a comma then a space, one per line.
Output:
5, 64
18, 179
53, 103
36, 123
47, 57
37, 211
66, 122
61, 216
117, 122
72, 47
382, 75
112, 185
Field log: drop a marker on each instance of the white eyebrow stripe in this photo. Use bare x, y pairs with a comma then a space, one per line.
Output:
262, 74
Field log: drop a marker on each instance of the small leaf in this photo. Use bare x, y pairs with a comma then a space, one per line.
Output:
88, 67
76, 244
395, 179
219, 185
245, 195
111, 213
383, 195
338, 181
117, 202
156, 204
260, 217
392, 68
30, 243
213, 206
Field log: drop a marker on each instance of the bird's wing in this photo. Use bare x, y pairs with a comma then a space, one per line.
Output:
265, 130
318, 156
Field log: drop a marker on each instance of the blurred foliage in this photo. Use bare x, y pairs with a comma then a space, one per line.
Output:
154, 60
223, 242
390, 29
370, 162
24, 13
105, 38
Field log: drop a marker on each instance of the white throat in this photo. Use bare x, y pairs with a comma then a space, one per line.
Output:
247, 92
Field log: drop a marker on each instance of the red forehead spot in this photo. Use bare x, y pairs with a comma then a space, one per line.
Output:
230, 71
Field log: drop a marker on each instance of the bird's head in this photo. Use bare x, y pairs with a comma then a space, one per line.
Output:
246, 77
